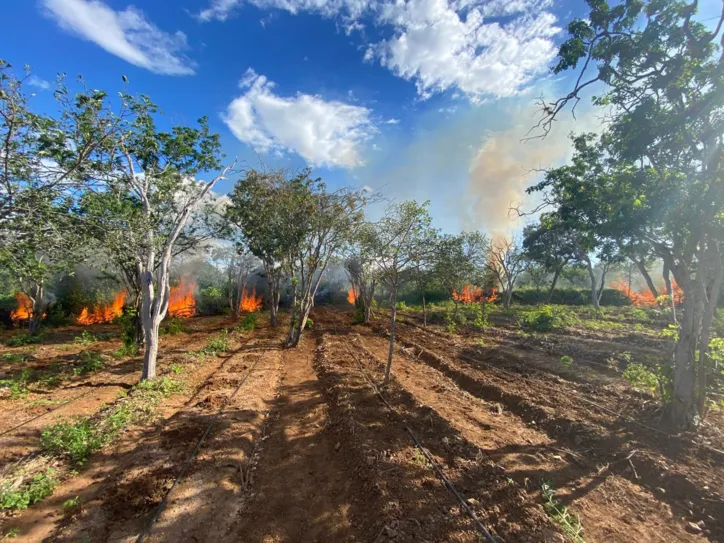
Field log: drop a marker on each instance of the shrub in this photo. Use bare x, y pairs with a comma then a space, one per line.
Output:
174, 327
546, 318
18, 384
39, 487
217, 344
18, 340
86, 338
75, 440
212, 301
164, 386
566, 361
570, 296
14, 358
643, 378
247, 323
90, 361
309, 324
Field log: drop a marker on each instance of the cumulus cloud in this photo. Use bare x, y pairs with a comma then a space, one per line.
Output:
35, 81
126, 34
324, 133
504, 166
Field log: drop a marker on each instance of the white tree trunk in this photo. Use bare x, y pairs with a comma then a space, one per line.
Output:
393, 318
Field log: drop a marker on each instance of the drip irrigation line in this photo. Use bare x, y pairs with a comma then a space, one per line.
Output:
190, 460
448, 484
586, 400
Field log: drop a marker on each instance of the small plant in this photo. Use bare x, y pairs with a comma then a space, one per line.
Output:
72, 505
217, 344
247, 323
12, 533
641, 377
419, 458
671, 332
75, 440
26, 494
480, 342
566, 361
639, 314
570, 524
90, 361
18, 384
85, 338
174, 327
309, 324
176, 369
164, 386
128, 349
13, 358
19, 340
546, 318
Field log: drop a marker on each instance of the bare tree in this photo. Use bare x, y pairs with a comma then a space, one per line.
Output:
506, 262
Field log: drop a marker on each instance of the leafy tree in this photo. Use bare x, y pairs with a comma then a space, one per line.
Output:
506, 262
154, 173
397, 242
654, 176
550, 246
359, 267
460, 261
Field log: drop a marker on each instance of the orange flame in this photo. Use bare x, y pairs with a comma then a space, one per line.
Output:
25, 307
181, 301
474, 295
103, 312
250, 303
352, 296
645, 297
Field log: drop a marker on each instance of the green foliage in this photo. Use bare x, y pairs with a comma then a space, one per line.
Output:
176, 369
174, 327
28, 493
85, 338
217, 344
570, 296
671, 332
247, 323
18, 384
639, 315
12, 533
18, 340
569, 524
309, 324
640, 377
547, 318
13, 358
90, 361
75, 440
72, 505
129, 330
126, 350
212, 301
163, 386
567, 361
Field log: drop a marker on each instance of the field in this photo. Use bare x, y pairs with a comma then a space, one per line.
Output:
536, 435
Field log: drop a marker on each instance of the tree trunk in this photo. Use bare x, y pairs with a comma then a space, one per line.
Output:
556, 274
424, 311
670, 292
292, 337
709, 313
368, 302
592, 277
507, 297
37, 309
393, 317
151, 353
645, 273
603, 284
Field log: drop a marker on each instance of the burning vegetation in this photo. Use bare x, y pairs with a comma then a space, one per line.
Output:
24, 310
352, 296
250, 303
103, 313
474, 295
644, 297
182, 303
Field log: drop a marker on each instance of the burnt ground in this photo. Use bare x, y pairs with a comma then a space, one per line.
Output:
302, 448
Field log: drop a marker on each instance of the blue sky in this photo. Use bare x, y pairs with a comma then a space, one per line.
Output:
426, 99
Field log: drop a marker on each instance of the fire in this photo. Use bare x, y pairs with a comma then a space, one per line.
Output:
25, 307
352, 296
250, 303
645, 297
474, 295
181, 302
103, 312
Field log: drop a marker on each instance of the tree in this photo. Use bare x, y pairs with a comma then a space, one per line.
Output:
157, 172
550, 245
326, 221
397, 242
506, 262
256, 208
655, 174
359, 267
461, 261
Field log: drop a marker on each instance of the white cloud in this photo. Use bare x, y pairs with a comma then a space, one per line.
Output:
35, 81
392, 121
221, 10
328, 133
440, 48
126, 34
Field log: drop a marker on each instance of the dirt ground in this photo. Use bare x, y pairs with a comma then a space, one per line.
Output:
297, 445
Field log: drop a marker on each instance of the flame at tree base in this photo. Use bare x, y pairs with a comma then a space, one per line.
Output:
473, 295
644, 297
250, 303
24, 309
352, 296
103, 313
182, 303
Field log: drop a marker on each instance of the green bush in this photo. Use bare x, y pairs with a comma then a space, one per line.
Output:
18, 384
174, 327
90, 361
546, 318
212, 301
567, 361
18, 340
39, 487
247, 323
309, 324
75, 440
217, 344
164, 386
85, 338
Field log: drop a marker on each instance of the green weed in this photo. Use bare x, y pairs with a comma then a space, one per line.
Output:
247, 323
75, 440
176, 369
128, 349
19, 340
566, 361
570, 524
174, 327
14, 358
217, 344
91, 361
28, 493
547, 318
12, 533
18, 384
163, 386
85, 338
309, 324
72, 505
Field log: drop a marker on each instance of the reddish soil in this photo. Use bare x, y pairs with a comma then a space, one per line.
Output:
303, 449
